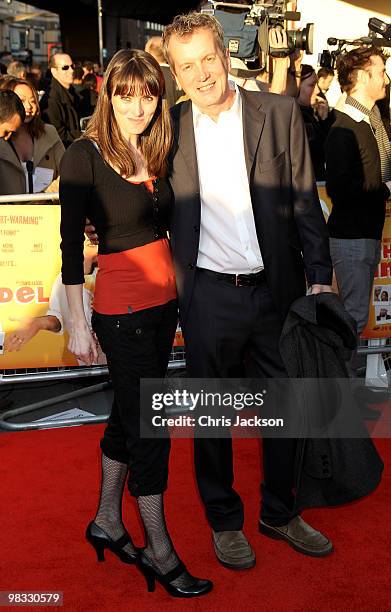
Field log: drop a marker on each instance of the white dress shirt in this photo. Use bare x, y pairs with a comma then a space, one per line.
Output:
355, 114
228, 238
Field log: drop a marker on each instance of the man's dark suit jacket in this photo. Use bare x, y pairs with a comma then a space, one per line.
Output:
289, 222
60, 107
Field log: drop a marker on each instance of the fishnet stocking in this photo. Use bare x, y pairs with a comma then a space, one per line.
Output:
109, 514
160, 550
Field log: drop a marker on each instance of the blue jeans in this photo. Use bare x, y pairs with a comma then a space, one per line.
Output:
355, 262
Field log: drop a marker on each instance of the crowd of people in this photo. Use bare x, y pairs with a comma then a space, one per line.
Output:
212, 209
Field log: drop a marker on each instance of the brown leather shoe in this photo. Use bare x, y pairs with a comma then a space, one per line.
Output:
233, 550
300, 536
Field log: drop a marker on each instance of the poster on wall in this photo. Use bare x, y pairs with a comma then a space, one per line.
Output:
30, 263
379, 320
34, 313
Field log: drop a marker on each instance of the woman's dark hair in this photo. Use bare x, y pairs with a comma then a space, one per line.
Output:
306, 72
36, 127
132, 72
349, 63
10, 105
90, 81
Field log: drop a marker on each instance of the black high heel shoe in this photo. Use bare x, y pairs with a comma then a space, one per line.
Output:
197, 588
100, 540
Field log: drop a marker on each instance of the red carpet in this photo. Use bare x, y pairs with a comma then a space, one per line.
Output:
49, 482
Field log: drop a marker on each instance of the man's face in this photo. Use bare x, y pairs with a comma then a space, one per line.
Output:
325, 82
200, 69
63, 70
7, 128
377, 81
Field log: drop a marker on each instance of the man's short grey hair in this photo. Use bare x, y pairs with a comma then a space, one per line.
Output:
185, 25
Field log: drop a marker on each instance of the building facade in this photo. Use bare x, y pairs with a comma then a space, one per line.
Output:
27, 32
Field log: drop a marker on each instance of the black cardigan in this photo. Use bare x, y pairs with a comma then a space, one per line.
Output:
353, 180
124, 214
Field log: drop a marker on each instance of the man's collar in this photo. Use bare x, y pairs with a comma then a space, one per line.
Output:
354, 113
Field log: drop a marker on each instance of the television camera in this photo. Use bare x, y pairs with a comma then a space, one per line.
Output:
246, 29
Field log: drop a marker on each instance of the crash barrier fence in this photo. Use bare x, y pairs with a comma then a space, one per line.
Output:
21, 374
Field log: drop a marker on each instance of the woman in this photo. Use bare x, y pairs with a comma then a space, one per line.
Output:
30, 160
88, 95
114, 176
317, 118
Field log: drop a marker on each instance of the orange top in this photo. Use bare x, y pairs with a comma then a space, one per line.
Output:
135, 279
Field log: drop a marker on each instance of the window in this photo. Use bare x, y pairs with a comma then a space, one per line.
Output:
22, 39
37, 40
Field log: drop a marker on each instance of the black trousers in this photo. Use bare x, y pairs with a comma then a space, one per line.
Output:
137, 345
227, 327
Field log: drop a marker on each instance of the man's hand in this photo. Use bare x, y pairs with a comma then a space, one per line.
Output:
89, 231
29, 327
278, 44
320, 289
296, 59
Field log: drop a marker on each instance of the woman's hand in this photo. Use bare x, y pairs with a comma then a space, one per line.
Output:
83, 344
321, 108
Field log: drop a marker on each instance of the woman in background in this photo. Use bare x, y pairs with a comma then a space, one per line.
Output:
30, 160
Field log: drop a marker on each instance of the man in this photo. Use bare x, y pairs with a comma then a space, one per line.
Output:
12, 113
154, 47
246, 208
358, 180
17, 69
60, 106
325, 78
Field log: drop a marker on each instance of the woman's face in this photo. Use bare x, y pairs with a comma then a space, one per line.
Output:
30, 106
133, 113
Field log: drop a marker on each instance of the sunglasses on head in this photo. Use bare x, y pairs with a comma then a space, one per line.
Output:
66, 67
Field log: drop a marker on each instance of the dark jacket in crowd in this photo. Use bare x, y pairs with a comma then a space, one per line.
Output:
317, 338
354, 180
88, 100
48, 151
60, 107
317, 130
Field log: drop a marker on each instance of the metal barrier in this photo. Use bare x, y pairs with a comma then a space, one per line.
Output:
177, 361
28, 198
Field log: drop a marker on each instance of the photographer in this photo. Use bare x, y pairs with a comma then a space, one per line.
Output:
280, 79
286, 67
325, 78
317, 118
